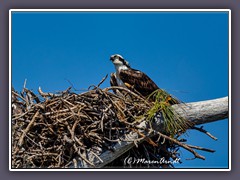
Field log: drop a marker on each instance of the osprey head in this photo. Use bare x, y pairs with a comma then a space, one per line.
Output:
119, 60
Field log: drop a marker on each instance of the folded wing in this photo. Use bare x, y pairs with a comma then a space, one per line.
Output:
138, 80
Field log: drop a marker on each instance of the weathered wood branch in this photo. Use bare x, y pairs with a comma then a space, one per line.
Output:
203, 112
198, 112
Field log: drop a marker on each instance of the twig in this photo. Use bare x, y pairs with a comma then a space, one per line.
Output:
20, 142
185, 146
21, 115
45, 94
201, 148
16, 94
127, 90
204, 131
102, 80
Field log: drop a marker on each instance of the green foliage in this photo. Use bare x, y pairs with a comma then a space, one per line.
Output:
172, 122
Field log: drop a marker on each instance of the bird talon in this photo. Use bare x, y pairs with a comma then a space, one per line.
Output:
128, 85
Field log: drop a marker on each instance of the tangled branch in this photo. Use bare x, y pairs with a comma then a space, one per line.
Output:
87, 130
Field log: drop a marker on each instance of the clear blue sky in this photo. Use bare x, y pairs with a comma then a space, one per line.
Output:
185, 53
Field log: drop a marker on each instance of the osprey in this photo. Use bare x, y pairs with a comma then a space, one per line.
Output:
125, 76
133, 79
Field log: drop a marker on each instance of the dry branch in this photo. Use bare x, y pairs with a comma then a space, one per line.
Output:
204, 111
199, 112
96, 128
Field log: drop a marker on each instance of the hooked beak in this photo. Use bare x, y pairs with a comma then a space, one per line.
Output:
111, 58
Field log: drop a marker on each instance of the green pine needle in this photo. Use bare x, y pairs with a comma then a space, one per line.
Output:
173, 123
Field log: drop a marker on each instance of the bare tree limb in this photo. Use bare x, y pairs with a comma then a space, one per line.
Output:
203, 112
198, 112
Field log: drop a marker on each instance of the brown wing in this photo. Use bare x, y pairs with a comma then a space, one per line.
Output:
113, 81
139, 81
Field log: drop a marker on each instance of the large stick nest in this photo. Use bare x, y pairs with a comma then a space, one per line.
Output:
59, 130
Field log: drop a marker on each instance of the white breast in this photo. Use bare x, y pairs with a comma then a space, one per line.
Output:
118, 69
119, 82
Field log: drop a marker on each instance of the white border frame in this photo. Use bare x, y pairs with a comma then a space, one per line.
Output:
120, 10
